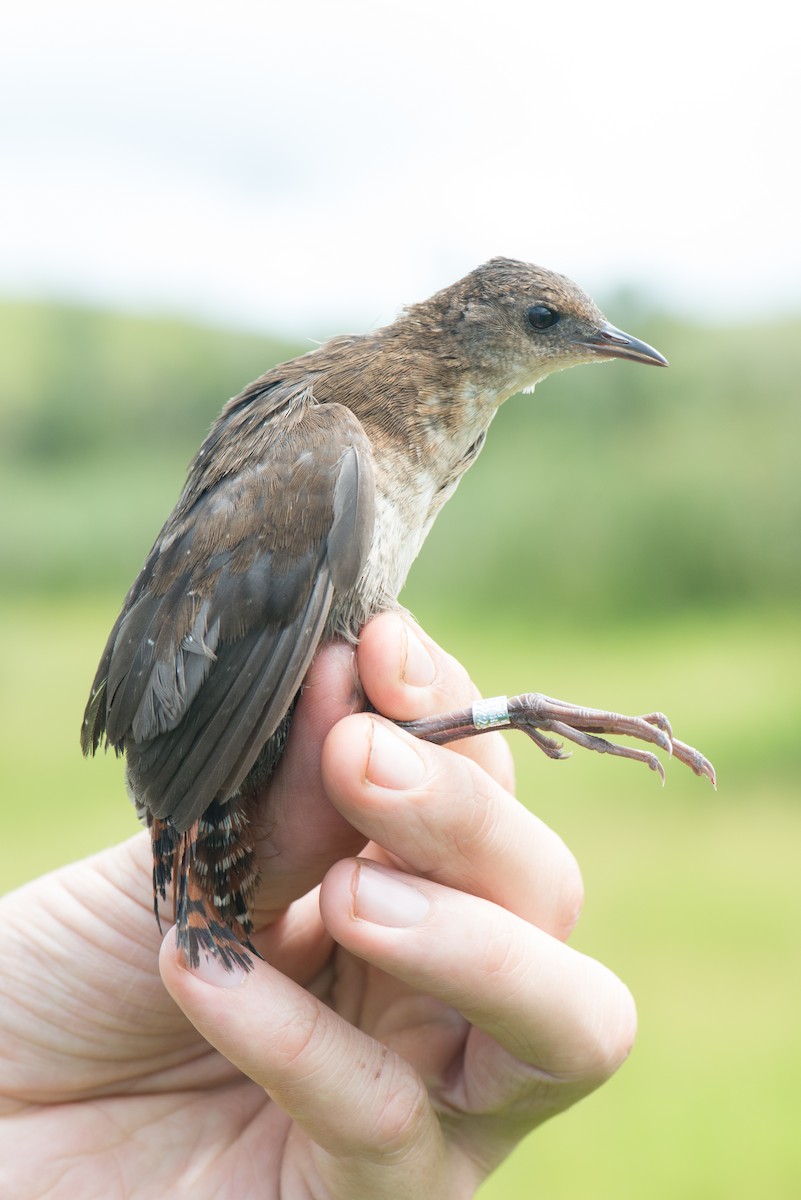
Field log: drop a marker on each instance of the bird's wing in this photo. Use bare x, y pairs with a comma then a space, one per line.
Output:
219, 629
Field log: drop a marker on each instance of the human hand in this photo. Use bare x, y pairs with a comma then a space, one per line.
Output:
414, 1018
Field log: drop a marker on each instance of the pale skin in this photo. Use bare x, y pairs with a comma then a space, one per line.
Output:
415, 1015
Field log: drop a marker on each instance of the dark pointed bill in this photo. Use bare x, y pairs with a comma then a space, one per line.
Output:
610, 342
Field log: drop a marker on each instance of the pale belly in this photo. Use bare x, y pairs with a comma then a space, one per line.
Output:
401, 527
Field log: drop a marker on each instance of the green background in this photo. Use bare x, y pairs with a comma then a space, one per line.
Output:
628, 539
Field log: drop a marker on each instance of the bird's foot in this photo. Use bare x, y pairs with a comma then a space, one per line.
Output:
539, 715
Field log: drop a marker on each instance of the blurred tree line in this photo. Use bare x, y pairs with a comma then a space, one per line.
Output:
624, 490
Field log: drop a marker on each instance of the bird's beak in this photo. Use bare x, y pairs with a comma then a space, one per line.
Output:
609, 342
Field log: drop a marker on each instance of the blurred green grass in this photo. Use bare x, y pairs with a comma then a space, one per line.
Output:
627, 491
630, 539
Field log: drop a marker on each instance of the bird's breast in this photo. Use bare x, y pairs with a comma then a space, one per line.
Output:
404, 513
411, 488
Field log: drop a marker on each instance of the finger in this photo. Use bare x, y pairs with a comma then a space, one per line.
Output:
544, 1003
364, 1108
448, 819
405, 675
299, 833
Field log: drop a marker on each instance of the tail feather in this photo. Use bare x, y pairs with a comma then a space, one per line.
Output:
213, 874
225, 863
164, 838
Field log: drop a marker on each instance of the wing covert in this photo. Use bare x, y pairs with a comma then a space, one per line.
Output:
219, 629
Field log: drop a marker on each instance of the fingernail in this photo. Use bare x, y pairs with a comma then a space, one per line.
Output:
418, 666
381, 896
393, 763
211, 970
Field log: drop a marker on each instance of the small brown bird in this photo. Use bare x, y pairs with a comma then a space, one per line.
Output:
303, 511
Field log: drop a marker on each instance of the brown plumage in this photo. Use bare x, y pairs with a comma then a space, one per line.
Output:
302, 513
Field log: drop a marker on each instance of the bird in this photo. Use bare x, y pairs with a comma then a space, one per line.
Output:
302, 513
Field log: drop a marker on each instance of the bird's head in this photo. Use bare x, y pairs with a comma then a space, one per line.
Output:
512, 323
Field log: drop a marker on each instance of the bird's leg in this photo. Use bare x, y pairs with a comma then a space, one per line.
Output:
539, 715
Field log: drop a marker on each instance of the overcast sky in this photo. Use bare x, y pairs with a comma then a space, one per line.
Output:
310, 167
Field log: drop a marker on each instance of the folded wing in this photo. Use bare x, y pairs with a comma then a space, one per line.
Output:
219, 629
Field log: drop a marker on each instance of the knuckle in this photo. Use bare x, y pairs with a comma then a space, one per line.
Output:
298, 1039
452, 685
610, 1035
502, 956
465, 831
402, 1115
568, 895
492, 753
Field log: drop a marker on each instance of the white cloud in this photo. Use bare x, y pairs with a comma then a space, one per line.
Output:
314, 168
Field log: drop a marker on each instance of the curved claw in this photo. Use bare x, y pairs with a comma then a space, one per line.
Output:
660, 720
601, 746
696, 761
542, 711
548, 746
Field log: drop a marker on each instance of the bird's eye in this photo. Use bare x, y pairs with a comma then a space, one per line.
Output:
540, 316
